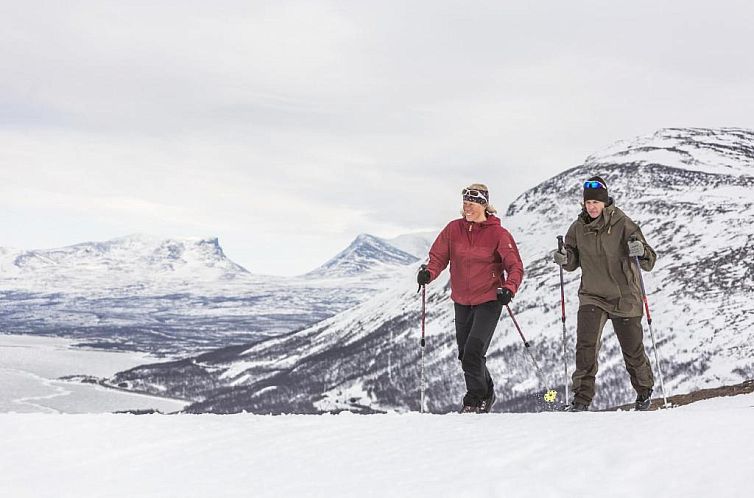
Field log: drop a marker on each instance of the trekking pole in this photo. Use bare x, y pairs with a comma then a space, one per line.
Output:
563, 319
651, 333
423, 342
526, 343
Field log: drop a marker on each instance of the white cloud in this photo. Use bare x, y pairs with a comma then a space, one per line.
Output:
278, 125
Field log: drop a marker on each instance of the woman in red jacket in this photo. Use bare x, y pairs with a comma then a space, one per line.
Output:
485, 273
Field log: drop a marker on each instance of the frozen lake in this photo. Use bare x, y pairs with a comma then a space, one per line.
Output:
30, 367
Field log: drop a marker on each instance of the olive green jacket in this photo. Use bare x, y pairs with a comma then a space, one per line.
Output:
609, 278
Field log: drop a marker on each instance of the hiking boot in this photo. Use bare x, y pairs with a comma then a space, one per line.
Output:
469, 409
643, 400
576, 406
486, 405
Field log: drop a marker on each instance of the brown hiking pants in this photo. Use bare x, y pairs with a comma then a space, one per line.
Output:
591, 321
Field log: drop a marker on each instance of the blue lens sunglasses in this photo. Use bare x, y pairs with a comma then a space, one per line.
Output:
594, 184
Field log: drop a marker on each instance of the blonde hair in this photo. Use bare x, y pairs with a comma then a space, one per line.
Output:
488, 208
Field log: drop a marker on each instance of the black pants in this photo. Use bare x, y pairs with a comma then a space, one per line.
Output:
591, 321
474, 328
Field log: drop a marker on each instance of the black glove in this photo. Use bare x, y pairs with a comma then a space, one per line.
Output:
423, 277
504, 296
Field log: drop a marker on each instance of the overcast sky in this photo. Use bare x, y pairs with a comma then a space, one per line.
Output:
287, 128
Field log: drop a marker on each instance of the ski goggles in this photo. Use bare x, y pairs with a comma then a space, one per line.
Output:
594, 184
474, 195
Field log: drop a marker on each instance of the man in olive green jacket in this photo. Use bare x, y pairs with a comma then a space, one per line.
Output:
603, 241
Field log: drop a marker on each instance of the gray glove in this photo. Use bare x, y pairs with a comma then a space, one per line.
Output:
635, 248
560, 258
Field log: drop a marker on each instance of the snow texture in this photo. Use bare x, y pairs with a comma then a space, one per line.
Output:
693, 451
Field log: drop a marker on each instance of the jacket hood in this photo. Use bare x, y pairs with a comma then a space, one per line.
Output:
491, 220
610, 217
611, 214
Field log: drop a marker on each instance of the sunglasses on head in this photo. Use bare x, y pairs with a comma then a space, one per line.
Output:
594, 184
473, 195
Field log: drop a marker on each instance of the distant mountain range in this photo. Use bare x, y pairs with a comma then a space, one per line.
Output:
178, 296
691, 191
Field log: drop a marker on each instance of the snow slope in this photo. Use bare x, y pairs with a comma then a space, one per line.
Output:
724, 151
699, 450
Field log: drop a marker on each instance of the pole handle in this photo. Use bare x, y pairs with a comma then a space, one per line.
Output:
423, 267
560, 243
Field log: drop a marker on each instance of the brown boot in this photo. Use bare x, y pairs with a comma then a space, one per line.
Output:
469, 409
643, 400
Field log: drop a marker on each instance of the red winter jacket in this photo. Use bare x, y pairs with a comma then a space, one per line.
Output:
482, 256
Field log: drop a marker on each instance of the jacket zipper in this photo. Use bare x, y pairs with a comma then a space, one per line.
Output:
468, 264
608, 221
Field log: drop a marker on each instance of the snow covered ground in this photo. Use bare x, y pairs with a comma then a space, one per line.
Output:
698, 450
30, 367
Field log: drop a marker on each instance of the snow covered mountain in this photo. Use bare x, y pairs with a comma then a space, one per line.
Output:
691, 191
727, 151
172, 296
126, 260
365, 253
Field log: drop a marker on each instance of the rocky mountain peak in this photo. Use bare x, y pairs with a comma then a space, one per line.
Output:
364, 254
